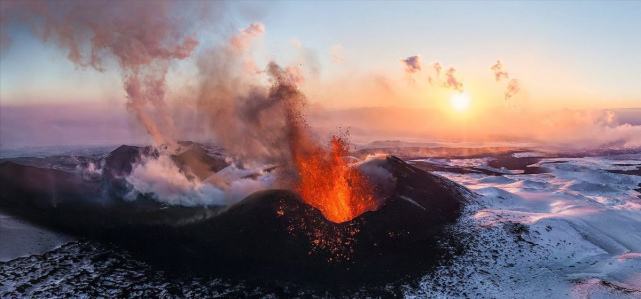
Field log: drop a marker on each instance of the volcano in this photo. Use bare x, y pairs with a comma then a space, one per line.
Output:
269, 234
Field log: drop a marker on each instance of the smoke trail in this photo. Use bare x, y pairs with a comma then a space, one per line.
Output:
437, 68
513, 86
498, 73
450, 81
412, 64
144, 37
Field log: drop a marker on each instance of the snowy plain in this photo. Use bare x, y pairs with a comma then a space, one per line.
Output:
573, 232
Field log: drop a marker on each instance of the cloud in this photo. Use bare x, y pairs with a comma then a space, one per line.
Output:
412, 64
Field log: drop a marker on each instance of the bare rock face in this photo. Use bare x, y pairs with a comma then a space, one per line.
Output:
269, 234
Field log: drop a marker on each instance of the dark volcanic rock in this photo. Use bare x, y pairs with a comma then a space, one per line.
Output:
196, 161
66, 202
121, 160
270, 234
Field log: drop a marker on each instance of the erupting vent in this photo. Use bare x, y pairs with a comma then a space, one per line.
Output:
329, 184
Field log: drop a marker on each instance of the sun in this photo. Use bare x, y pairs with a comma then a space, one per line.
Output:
460, 101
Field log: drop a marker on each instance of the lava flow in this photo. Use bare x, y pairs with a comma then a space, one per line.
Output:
328, 183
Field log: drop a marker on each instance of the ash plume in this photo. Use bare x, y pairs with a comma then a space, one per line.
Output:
412, 64
255, 124
143, 37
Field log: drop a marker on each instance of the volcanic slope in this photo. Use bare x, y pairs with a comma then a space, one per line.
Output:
270, 233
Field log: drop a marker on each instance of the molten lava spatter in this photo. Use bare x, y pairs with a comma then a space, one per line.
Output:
329, 184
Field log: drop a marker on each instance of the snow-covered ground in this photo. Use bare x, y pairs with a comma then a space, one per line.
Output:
572, 232
19, 238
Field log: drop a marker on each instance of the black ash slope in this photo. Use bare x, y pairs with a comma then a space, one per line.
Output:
270, 234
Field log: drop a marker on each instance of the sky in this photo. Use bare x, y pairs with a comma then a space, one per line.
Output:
565, 55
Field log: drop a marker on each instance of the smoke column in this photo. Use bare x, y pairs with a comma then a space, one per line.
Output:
144, 37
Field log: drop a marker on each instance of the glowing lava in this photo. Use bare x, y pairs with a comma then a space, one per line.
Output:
328, 183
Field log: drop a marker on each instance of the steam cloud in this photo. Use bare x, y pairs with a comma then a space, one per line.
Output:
242, 41
513, 86
256, 125
412, 64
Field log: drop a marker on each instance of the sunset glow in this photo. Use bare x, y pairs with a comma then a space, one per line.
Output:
460, 101
334, 149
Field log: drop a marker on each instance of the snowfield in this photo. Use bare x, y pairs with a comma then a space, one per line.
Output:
574, 232
571, 229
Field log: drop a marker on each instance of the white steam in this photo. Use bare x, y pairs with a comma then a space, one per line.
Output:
165, 182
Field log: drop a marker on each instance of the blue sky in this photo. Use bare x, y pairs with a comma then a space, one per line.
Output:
584, 50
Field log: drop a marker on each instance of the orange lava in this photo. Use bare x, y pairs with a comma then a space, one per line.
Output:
329, 184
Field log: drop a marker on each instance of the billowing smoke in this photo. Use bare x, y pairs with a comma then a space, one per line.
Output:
161, 178
257, 125
252, 122
242, 41
450, 80
144, 38
513, 86
412, 64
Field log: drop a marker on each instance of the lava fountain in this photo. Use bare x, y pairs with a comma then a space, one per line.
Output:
328, 183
